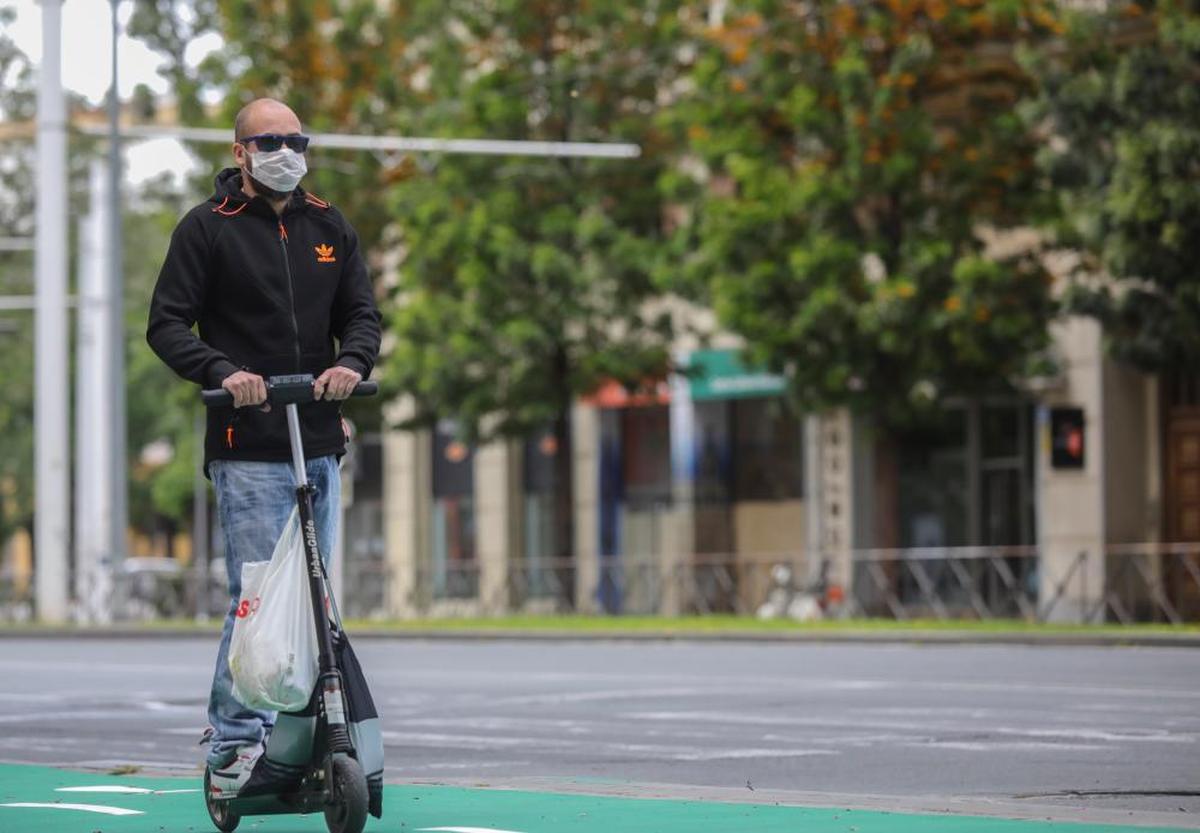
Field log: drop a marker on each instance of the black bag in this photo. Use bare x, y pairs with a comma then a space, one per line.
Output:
365, 731
289, 750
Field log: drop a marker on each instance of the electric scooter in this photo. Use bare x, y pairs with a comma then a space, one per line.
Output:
310, 763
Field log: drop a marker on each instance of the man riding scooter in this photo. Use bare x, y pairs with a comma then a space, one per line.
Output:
275, 279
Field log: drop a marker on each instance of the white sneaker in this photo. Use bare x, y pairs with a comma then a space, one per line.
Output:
227, 781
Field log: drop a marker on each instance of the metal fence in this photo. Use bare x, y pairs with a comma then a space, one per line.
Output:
1141, 583
1151, 583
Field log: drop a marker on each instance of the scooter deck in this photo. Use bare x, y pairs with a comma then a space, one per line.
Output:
285, 804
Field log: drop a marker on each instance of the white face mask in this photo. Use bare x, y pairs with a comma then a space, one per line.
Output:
280, 170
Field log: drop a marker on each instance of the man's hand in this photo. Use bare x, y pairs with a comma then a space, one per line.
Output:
336, 383
247, 388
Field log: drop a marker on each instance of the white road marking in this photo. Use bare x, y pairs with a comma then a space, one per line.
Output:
1147, 736
854, 741
480, 743
531, 724
120, 788
1007, 746
81, 715
107, 763
160, 706
1082, 733
93, 668
737, 754
616, 694
113, 788
762, 682
1093, 691
461, 765
87, 808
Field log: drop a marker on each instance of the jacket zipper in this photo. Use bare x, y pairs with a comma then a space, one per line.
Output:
287, 269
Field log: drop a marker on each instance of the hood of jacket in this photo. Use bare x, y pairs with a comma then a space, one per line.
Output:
227, 191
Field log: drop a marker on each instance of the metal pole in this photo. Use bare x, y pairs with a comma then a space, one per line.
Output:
119, 486
93, 497
200, 523
337, 571
814, 490
402, 144
50, 357
293, 420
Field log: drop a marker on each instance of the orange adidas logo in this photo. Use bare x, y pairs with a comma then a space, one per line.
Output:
324, 254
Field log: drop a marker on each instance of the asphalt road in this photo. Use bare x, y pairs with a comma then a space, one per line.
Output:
1113, 728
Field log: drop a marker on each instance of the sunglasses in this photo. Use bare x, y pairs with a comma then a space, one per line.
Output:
271, 142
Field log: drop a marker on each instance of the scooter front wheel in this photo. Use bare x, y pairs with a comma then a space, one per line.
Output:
347, 808
225, 819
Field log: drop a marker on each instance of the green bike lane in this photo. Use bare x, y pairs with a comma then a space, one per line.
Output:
44, 800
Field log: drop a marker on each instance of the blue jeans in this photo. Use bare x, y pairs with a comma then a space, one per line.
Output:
254, 501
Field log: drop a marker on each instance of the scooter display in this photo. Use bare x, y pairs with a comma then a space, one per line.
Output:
327, 757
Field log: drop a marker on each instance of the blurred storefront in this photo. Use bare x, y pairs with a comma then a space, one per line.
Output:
694, 482
744, 468
1059, 501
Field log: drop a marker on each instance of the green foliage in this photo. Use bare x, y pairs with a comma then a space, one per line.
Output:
1122, 102
852, 160
16, 278
343, 68
155, 410
525, 280
339, 65
160, 406
18, 100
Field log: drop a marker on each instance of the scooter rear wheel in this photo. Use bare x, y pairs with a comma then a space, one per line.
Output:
347, 808
225, 819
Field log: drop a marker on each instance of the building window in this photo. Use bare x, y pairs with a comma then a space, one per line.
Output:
968, 479
768, 456
646, 456
932, 486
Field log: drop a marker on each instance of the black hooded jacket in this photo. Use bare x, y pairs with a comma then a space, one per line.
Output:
271, 294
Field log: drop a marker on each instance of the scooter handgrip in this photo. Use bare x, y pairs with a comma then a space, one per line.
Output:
219, 396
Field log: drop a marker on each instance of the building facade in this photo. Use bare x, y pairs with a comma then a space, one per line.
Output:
1070, 501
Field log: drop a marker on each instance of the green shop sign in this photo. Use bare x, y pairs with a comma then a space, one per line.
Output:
720, 374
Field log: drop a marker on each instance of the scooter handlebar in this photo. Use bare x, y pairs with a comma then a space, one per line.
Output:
284, 390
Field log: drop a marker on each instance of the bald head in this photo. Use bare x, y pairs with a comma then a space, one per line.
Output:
261, 117
264, 115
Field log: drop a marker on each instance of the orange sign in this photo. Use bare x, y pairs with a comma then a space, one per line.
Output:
612, 394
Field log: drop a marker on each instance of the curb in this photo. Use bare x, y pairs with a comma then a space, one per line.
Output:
915, 637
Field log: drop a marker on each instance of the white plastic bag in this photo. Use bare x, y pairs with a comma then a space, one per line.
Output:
273, 651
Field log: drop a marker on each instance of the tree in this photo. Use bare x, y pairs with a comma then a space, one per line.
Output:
1122, 103
160, 406
525, 281
155, 409
853, 160
18, 107
341, 66
338, 65
17, 103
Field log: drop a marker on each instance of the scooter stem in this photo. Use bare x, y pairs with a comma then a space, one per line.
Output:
293, 418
